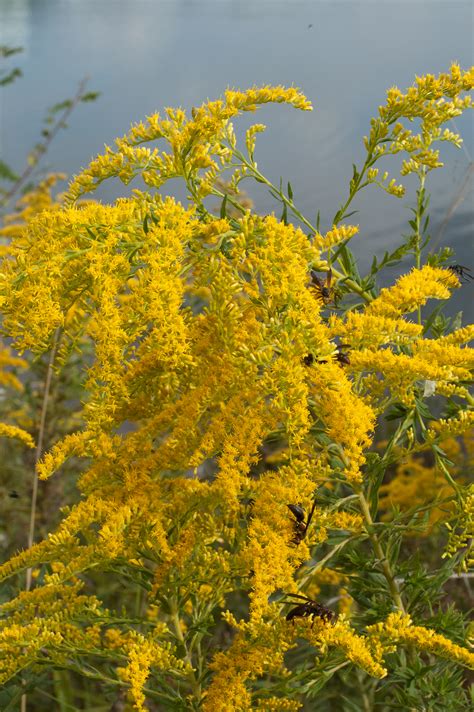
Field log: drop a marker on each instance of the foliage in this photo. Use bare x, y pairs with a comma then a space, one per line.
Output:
222, 380
12, 184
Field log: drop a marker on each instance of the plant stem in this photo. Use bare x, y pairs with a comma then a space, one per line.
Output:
195, 685
39, 450
418, 216
385, 564
40, 151
38, 453
285, 199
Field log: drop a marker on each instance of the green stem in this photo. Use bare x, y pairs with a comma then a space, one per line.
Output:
418, 217
355, 187
193, 681
285, 199
384, 562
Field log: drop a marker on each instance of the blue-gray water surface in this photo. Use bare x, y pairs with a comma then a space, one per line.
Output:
144, 55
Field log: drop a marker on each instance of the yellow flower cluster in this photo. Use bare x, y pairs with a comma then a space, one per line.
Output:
432, 100
398, 629
8, 379
462, 535
360, 650
257, 648
194, 143
143, 653
12, 431
334, 236
412, 290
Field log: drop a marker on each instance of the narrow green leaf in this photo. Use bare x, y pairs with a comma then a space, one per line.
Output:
348, 215
6, 172
223, 211
10, 77
90, 96
61, 106
6, 51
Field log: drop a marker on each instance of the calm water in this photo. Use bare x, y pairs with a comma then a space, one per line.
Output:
146, 54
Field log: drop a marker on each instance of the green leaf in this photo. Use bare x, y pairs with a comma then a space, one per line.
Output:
318, 221
90, 96
290, 191
6, 51
10, 77
456, 322
223, 210
6, 172
61, 106
348, 215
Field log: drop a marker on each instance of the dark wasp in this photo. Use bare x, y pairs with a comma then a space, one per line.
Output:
323, 286
309, 608
461, 271
341, 357
300, 525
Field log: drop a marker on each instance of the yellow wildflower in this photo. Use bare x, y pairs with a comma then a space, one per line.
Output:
398, 629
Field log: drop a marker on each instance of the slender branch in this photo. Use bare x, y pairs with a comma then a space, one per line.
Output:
39, 450
35, 156
384, 562
287, 201
38, 453
195, 685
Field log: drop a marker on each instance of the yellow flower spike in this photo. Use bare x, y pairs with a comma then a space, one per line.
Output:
334, 236
348, 420
12, 431
450, 427
461, 535
412, 291
256, 649
398, 629
278, 704
401, 372
365, 330
192, 142
356, 648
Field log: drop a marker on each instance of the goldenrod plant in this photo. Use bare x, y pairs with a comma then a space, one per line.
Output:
245, 538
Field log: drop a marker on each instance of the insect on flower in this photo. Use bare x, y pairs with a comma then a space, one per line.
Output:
309, 608
300, 525
341, 356
461, 271
323, 287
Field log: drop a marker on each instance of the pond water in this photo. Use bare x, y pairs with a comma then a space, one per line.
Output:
144, 55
